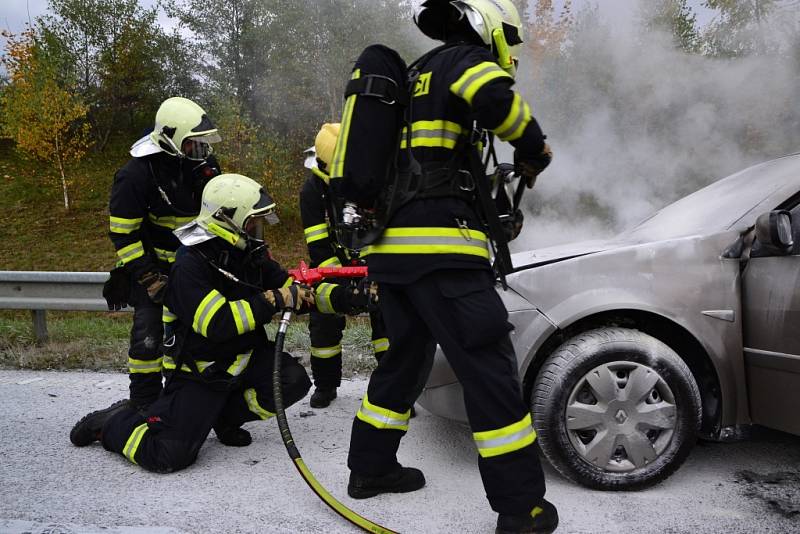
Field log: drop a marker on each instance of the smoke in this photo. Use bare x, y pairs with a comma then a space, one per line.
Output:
636, 123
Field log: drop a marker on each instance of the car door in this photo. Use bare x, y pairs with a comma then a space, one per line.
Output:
771, 309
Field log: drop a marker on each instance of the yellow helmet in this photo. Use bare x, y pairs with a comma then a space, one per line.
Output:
496, 22
234, 208
324, 145
179, 120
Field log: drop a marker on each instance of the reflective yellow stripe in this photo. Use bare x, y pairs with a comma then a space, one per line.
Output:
120, 225
167, 316
132, 445
321, 175
317, 232
169, 365
476, 77
382, 418
517, 120
431, 241
242, 316
289, 281
441, 133
206, 310
131, 252
322, 297
144, 366
165, 255
507, 439
169, 221
337, 165
380, 344
326, 352
238, 366
333, 261
252, 403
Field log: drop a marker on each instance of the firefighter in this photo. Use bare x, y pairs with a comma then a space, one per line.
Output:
223, 288
325, 329
436, 284
156, 191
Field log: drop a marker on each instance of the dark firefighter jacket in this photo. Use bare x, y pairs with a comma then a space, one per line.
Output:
317, 227
457, 86
141, 219
217, 321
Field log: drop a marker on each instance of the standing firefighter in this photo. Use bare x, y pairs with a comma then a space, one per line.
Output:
223, 289
326, 329
158, 190
431, 259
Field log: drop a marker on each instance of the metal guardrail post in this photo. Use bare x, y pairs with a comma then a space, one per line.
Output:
40, 326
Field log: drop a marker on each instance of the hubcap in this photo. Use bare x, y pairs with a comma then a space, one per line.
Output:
621, 416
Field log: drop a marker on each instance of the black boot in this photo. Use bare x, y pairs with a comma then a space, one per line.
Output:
233, 436
543, 520
322, 397
87, 430
401, 480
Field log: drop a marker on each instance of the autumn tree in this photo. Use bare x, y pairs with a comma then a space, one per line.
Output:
44, 119
546, 33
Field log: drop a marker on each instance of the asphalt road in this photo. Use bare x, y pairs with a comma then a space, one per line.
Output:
49, 486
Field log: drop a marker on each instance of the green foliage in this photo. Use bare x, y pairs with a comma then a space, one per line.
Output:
740, 29
675, 17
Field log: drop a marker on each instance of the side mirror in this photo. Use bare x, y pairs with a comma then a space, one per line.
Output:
774, 231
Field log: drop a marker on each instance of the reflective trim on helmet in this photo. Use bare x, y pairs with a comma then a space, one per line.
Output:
136, 366
474, 78
120, 225
519, 116
251, 398
431, 241
439, 133
325, 353
242, 316
132, 445
380, 345
322, 297
339, 153
206, 310
131, 252
316, 232
382, 418
506, 439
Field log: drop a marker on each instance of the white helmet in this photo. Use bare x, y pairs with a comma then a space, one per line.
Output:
234, 208
497, 23
182, 129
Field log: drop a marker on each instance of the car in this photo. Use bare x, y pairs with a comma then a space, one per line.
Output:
686, 326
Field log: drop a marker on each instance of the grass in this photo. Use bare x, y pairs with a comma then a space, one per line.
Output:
99, 342
39, 234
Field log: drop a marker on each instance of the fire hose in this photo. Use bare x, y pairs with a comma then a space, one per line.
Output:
308, 276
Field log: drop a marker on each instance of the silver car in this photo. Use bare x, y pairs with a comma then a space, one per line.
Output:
685, 326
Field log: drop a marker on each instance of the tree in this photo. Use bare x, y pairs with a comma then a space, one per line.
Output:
46, 121
675, 17
741, 27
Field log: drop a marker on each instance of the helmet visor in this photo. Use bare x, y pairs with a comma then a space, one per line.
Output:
199, 148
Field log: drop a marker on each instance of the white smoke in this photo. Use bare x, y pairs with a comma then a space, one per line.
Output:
635, 123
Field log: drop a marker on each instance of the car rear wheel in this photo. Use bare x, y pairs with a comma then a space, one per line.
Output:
615, 409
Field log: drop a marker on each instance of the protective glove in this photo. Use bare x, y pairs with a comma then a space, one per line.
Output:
529, 169
156, 286
117, 289
293, 297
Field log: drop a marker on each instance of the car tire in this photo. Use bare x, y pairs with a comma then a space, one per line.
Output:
596, 419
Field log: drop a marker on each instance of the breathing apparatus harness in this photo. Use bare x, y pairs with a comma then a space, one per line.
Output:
463, 176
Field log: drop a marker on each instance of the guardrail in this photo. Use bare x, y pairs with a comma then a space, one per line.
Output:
40, 291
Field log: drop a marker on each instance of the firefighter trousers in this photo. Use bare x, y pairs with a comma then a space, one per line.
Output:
325, 331
461, 311
168, 436
144, 352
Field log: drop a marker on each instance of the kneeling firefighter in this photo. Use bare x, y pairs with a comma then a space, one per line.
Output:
326, 329
223, 288
431, 216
